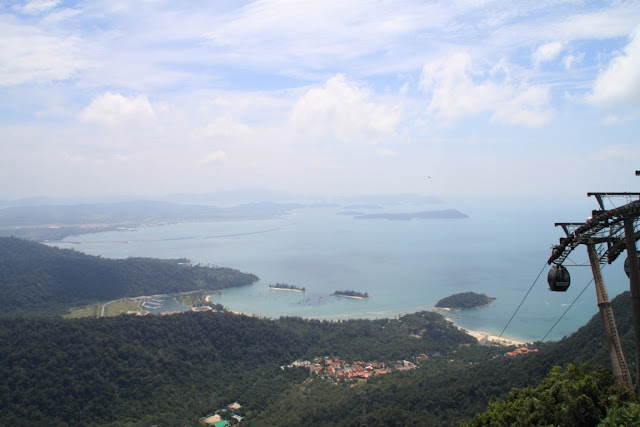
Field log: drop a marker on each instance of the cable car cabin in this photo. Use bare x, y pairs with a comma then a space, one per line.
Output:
558, 278
626, 265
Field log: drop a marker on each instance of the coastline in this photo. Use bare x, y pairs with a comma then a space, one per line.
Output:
481, 335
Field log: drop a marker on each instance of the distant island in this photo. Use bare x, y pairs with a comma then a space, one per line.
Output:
363, 206
464, 300
350, 213
286, 287
441, 214
352, 294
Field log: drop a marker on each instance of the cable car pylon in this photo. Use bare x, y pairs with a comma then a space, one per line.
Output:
607, 233
634, 284
619, 365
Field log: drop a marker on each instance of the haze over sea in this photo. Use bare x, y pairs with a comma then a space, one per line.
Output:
405, 266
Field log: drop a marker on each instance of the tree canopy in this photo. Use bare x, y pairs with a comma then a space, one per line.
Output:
581, 395
38, 279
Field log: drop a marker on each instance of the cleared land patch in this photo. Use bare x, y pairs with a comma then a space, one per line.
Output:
112, 308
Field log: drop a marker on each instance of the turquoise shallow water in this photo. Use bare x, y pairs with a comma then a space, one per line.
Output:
405, 266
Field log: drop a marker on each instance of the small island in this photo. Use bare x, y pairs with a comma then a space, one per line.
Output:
286, 287
352, 294
465, 300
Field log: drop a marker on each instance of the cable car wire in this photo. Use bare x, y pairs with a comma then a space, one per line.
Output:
565, 312
515, 312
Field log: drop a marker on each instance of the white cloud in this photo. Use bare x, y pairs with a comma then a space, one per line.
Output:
241, 81
344, 110
614, 20
619, 83
547, 52
216, 157
347, 29
36, 7
455, 94
29, 54
113, 109
572, 59
527, 106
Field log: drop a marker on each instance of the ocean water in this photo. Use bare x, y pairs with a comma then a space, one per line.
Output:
405, 266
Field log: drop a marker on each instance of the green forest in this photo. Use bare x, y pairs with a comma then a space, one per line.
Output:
175, 370
36, 279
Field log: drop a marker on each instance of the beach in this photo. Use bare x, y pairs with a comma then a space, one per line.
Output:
480, 336
271, 288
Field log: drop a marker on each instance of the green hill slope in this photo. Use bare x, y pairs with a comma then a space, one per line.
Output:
583, 395
447, 392
38, 279
172, 370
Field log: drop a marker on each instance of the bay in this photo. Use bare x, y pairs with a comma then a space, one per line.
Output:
405, 266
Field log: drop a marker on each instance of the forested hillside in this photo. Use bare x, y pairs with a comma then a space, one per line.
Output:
171, 370
582, 395
38, 279
446, 391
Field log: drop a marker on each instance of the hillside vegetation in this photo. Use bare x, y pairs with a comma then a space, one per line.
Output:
171, 370
582, 395
38, 279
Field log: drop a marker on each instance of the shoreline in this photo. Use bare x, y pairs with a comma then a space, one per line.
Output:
481, 335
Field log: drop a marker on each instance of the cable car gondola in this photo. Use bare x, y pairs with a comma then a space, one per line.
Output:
626, 265
558, 278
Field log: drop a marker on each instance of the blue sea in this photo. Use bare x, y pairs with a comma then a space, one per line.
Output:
405, 266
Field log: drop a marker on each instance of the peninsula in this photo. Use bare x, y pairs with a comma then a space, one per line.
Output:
464, 300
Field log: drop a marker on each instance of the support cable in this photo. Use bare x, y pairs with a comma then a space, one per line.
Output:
568, 308
515, 312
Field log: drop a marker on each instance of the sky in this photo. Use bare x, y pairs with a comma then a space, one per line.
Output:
452, 98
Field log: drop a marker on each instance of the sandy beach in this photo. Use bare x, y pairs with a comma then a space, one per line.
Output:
285, 289
479, 335
349, 296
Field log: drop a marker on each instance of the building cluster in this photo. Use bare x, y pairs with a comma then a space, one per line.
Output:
224, 417
520, 351
340, 370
